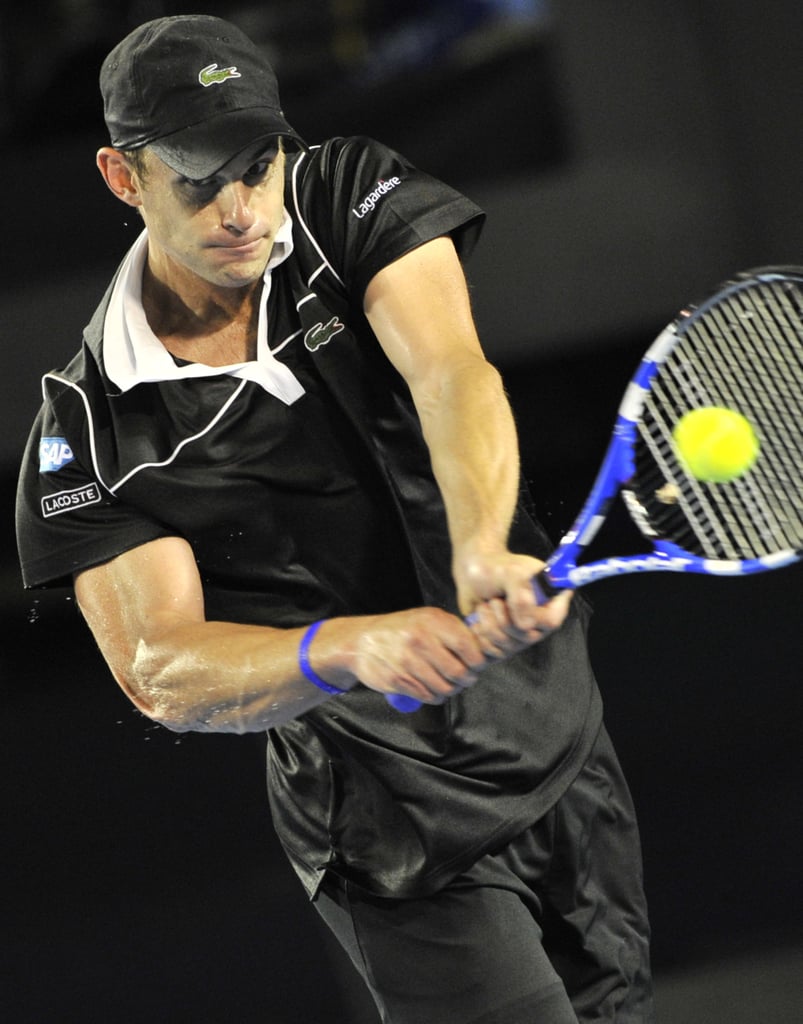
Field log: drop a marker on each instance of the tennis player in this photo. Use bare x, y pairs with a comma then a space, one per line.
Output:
280, 472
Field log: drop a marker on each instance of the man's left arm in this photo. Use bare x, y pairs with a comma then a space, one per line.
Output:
420, 310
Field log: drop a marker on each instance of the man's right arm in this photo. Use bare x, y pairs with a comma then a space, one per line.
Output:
146, 611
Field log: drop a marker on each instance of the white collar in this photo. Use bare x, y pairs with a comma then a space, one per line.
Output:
133, 354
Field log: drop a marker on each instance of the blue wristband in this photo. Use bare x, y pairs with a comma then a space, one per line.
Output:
303, 661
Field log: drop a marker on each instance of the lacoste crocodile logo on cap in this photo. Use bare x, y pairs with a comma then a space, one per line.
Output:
212, 75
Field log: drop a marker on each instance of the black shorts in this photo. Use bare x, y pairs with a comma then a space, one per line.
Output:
552, 929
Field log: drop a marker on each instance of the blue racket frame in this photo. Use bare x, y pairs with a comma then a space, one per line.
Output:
618, 468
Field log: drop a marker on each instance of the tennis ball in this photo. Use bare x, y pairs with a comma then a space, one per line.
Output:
716, 445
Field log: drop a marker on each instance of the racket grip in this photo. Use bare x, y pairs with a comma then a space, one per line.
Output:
543, 587
401, 702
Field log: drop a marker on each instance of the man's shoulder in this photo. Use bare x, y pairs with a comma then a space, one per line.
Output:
83, 371
334, 185
337, 160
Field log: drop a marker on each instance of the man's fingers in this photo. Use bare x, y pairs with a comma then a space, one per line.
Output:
424, 653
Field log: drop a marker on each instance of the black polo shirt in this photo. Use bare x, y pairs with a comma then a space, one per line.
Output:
315, 505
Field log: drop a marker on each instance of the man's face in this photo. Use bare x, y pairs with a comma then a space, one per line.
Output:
220, 230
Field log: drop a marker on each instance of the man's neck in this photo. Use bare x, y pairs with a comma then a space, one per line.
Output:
216, 326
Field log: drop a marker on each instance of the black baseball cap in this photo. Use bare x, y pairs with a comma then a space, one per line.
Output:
195, 89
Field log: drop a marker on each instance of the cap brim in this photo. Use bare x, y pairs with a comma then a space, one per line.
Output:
200, 150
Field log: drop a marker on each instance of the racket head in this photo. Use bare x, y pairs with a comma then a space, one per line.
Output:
740, 349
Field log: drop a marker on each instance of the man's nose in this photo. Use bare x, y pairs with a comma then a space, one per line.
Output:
235, 210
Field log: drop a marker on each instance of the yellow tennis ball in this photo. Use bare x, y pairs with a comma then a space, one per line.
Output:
716, 445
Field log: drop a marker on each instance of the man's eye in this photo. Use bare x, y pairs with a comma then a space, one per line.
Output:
256, 172
202, 190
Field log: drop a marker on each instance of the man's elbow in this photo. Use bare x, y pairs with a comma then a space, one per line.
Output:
146, 683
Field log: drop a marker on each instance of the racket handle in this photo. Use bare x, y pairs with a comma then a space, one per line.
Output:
401, 702
543, 587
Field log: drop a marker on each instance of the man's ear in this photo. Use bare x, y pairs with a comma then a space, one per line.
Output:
118, 174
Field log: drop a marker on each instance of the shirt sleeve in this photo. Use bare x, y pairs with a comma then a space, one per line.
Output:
66, 519
367, 205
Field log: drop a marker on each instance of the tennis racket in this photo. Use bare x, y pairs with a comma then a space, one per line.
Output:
739, 349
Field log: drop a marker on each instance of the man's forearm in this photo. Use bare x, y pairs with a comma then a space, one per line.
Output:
471, 434
222, 677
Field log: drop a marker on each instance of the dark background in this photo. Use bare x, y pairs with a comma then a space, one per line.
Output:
629, 155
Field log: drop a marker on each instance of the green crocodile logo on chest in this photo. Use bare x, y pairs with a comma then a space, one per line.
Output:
322, 334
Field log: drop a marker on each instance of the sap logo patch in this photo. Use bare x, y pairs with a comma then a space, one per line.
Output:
68, 501
54, 453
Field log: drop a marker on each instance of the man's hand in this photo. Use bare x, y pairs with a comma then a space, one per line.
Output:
496, 592
425, 653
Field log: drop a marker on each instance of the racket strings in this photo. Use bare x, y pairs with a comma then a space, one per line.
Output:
764, 395
682, 386
744, 353
727, 388
752, 503
777, 351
